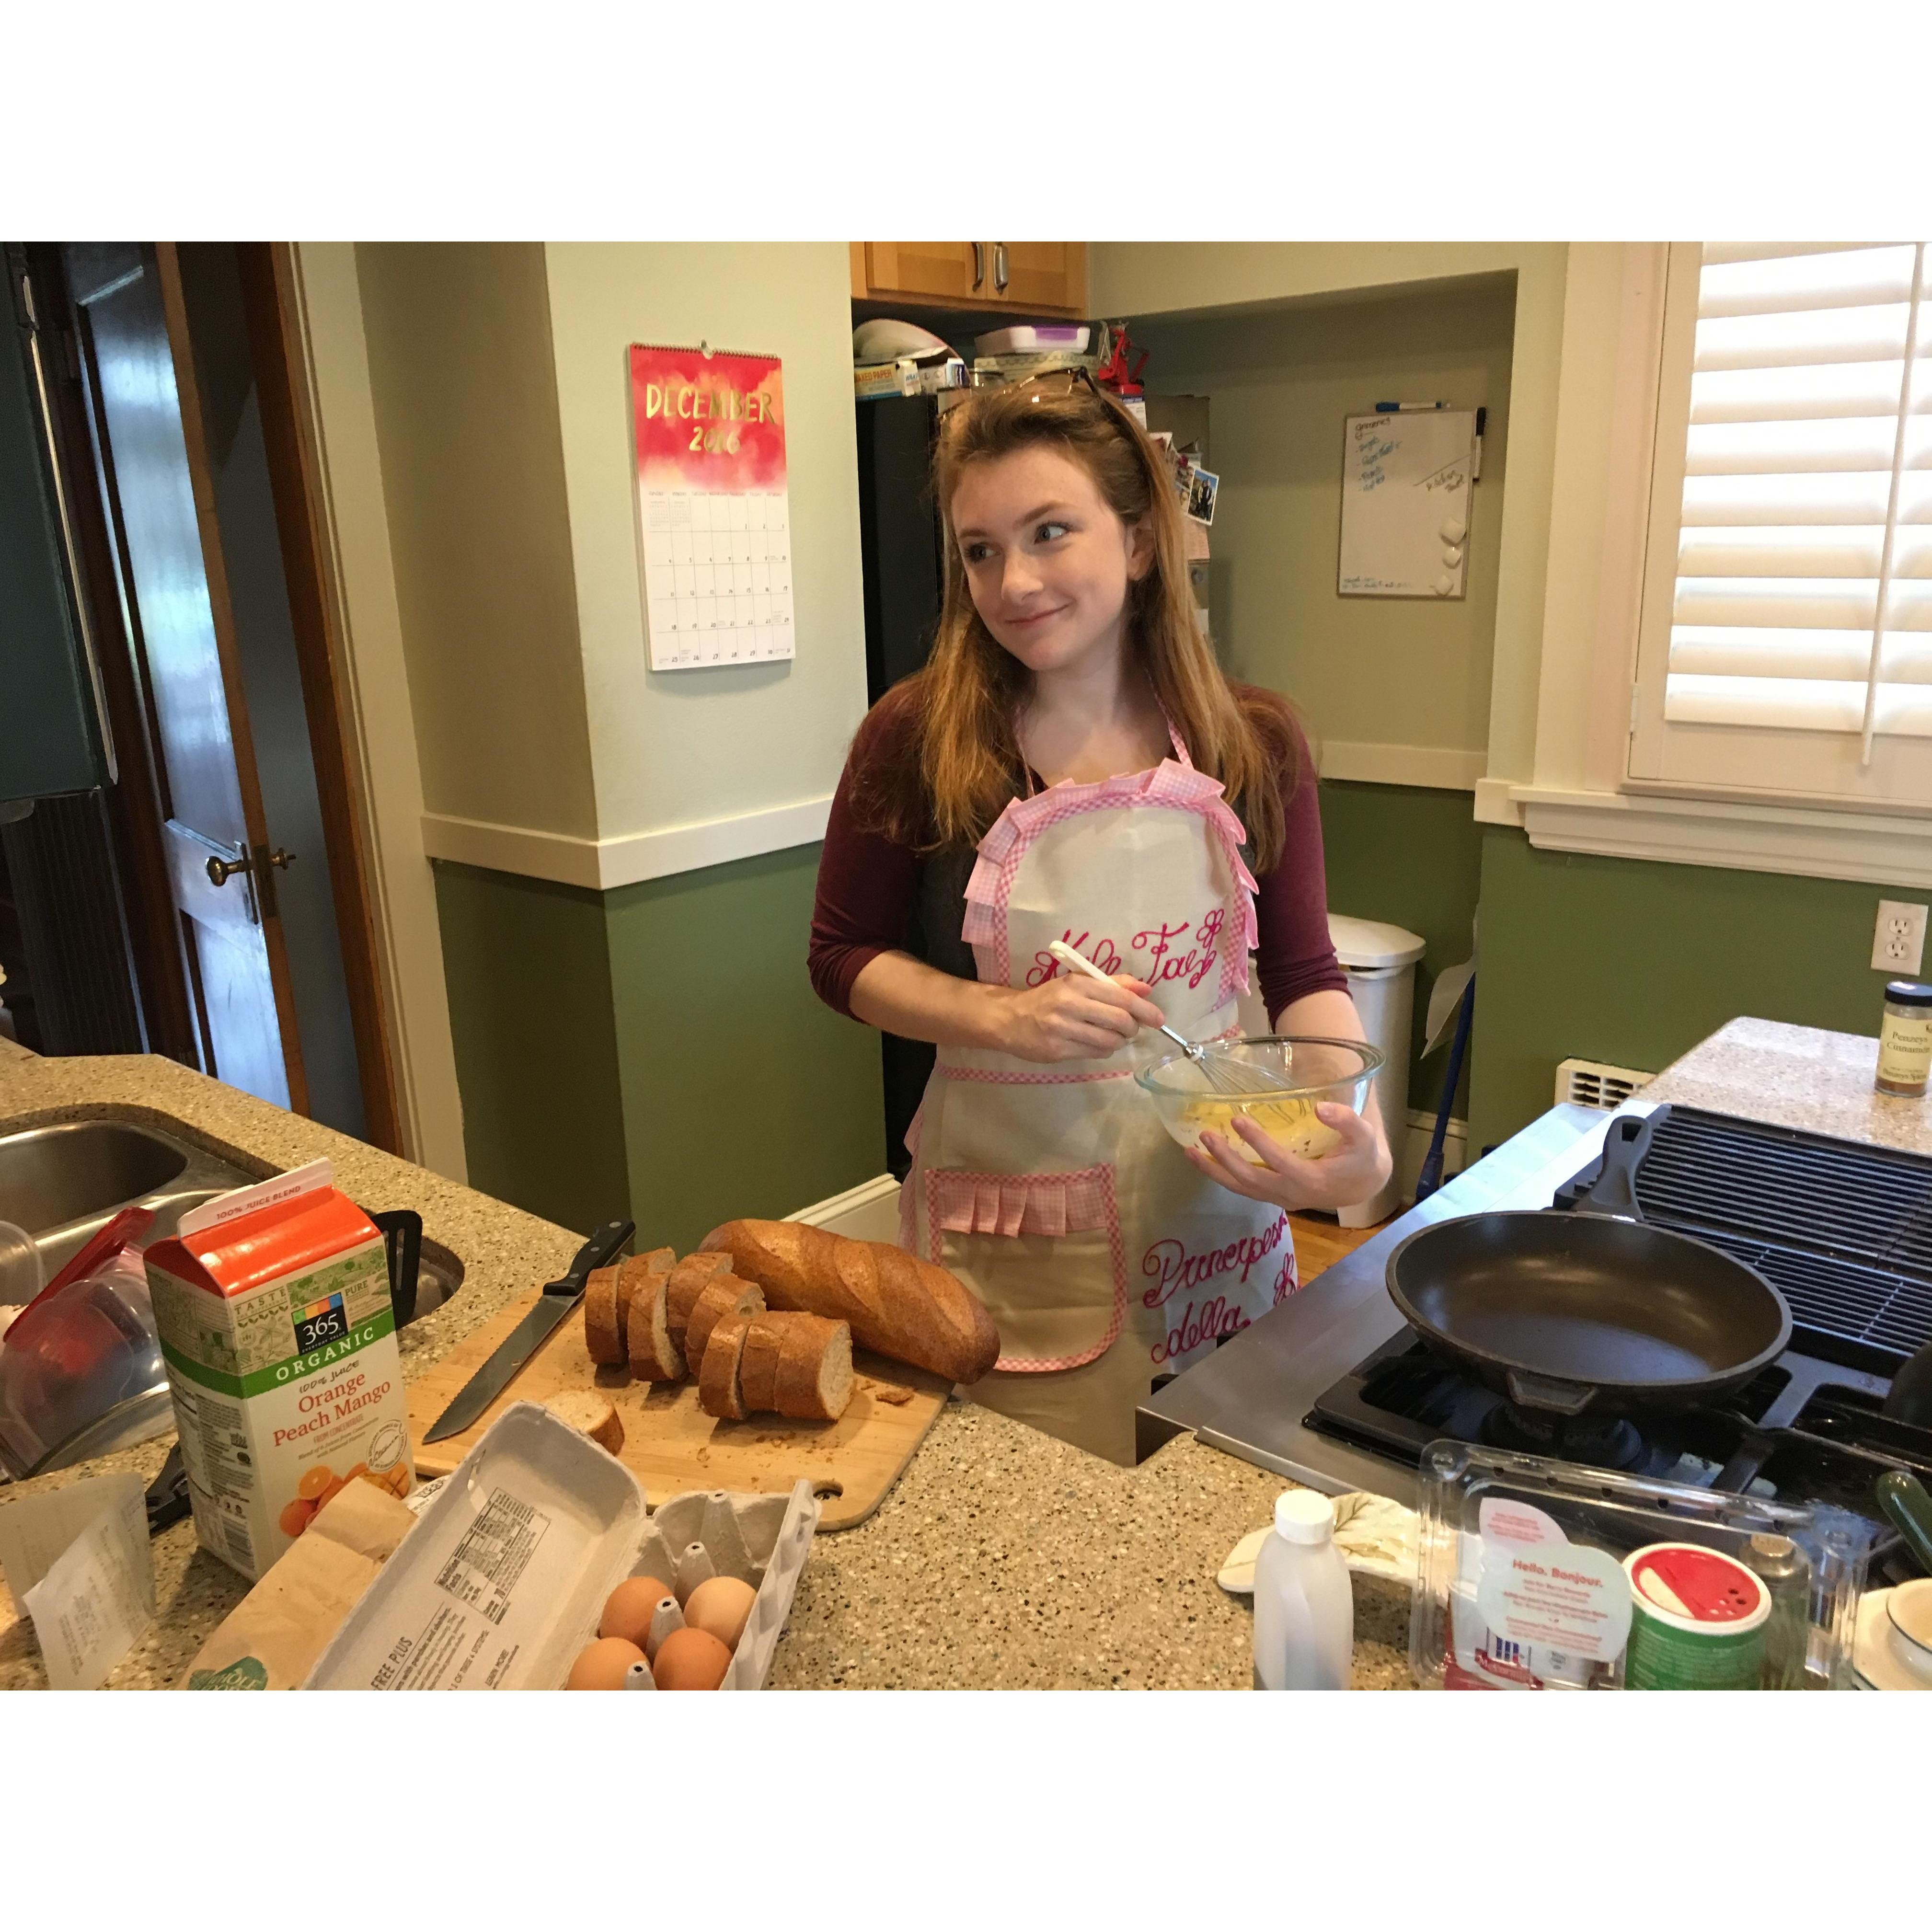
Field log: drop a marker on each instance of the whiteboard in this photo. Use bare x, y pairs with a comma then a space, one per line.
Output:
1405, 482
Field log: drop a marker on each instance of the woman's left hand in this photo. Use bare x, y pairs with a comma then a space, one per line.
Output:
1345, 1175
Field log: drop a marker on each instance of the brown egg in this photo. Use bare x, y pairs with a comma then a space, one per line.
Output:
721, 1605
602, 1666
690, 1660
627, 1610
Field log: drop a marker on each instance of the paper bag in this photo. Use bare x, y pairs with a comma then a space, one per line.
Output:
270, 1639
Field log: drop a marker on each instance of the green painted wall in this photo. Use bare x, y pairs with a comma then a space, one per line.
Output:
1633, 962
655, 1051
742, 1094
1412, 857
528, 969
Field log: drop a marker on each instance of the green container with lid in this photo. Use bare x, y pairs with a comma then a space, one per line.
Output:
1697, 1620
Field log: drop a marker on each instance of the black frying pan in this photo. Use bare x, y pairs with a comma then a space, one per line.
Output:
1562, 1311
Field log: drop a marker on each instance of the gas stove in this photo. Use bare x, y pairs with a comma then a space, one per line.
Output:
1334, 1389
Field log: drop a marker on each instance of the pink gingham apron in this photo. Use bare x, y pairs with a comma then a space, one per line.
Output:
1053, 1190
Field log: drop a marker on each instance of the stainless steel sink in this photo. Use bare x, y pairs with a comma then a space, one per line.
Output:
64, 1184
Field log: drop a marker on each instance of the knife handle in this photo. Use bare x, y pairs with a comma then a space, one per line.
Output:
602, 1248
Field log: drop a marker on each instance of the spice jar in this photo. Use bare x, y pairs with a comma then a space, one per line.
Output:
1905, 1039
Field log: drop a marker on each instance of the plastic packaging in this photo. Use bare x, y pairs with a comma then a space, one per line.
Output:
1521, 1586
82, 1354
1304, 1606
20, 1276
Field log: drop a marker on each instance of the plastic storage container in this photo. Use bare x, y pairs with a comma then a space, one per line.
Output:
1380, 960
1304, 1606
1522, 1583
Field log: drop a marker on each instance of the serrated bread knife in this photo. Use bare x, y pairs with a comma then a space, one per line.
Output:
557, 1299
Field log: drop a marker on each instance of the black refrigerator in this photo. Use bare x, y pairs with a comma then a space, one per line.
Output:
898, 525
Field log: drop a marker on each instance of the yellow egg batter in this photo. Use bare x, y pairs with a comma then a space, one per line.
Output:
1293, 1123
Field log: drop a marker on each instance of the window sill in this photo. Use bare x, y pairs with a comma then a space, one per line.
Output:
1816, 844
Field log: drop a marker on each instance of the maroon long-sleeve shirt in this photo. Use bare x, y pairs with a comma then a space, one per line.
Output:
876, 896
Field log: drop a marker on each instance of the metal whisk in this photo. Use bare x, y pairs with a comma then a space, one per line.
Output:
1221, 1071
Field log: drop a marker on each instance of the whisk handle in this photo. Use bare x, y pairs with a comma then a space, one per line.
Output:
1066, 955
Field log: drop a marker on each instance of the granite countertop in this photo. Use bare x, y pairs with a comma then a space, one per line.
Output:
1001, 1558
1795, 1076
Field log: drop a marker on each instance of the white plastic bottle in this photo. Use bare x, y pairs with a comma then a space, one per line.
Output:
1304, 1609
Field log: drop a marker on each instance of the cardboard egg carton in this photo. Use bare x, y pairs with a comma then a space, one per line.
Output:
503, 1579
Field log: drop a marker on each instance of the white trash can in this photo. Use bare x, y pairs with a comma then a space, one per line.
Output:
1380, 962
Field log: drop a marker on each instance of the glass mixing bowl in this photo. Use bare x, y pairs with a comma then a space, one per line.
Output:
1301, 1072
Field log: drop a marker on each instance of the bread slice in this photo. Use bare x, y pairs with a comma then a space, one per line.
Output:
632, 1273
758, 1368
592, 1414
723, 1294
719, 1393
814, 1378
655, 1357
688, 1280
603, 1332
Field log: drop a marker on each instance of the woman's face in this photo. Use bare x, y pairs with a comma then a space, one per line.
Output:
1047, 560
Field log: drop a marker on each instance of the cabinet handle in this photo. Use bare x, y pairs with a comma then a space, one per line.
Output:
1000, 277
979, 263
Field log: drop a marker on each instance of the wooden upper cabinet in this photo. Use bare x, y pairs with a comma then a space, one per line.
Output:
1019, 278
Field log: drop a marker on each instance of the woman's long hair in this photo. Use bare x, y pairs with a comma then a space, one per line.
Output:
972, 689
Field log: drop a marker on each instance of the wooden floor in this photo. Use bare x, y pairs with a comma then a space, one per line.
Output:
1320, 1240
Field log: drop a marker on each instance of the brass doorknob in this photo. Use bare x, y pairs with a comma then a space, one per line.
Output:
221, 871
283, 859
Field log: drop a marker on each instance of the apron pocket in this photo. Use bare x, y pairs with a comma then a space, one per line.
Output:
1043, 1252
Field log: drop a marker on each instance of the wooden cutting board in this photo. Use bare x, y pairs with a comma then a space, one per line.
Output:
670, 1445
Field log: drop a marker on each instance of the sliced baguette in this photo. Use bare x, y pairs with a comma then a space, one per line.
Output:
592, 1414
718, 1391
603, 1332
688, 1280
723, 1294
632, 1274
912, 1310
758, 1370
655, 1357
814, 1378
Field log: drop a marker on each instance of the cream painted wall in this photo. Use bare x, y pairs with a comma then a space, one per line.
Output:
683, 749
1152, 280
385, 749
465, 394
1398, 690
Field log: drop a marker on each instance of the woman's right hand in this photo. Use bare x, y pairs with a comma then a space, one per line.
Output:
1071, 1017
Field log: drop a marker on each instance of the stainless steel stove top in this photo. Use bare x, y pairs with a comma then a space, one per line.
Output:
1249, 1397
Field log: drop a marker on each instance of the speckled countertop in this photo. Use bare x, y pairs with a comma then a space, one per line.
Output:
1001, 1559
1795, 1076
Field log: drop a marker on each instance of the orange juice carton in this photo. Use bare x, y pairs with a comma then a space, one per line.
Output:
277, 1326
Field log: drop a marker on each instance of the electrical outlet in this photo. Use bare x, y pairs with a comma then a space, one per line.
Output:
1898, 946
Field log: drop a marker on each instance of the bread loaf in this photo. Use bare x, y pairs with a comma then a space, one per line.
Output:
912, 1310
814, 1377
603, 1332
688, 1280
655, 1357
723, 1294
718, 1391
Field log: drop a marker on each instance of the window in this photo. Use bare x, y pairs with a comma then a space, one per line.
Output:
1785, 640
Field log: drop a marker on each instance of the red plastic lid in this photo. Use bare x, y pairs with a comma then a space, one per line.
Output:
1687, 1580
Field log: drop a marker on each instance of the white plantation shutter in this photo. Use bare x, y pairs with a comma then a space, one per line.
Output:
1799, 596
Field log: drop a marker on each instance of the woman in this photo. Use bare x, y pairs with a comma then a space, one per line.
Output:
1072, 764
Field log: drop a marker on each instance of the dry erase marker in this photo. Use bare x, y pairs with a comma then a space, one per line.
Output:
1404, 409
